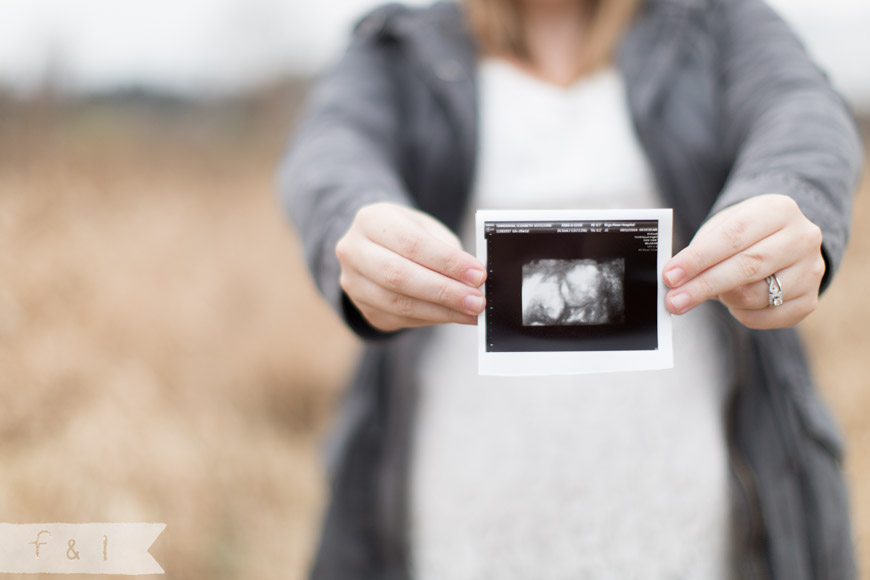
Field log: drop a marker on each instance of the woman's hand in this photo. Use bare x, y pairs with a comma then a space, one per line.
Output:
732, 254
402, 268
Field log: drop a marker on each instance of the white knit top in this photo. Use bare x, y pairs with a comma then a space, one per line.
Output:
616, 476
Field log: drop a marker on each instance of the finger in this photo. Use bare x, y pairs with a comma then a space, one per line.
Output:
749, 296
408, 239
405, 277
728, 233
794, 281
771, 254
385, 308
790, 313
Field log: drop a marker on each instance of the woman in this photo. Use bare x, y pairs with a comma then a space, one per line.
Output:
725, 466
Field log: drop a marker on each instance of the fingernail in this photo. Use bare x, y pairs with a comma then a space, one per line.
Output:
679, 302
474, 277
674, 276
473, 304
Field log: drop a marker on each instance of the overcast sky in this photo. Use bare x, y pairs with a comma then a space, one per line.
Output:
223, 45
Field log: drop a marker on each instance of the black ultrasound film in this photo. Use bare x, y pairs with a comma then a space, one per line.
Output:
571, 286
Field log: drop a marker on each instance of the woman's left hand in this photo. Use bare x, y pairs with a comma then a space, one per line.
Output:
735, 250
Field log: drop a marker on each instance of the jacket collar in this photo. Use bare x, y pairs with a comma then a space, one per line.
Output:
443, 51
649, 54
442, 48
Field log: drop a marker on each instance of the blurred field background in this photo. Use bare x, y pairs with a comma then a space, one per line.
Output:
163, 355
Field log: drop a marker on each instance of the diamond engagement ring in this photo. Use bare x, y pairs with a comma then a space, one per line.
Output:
774, 291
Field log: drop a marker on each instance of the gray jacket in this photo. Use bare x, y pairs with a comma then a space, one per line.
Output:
727, 106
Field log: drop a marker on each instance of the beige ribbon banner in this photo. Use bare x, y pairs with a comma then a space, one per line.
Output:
79, 548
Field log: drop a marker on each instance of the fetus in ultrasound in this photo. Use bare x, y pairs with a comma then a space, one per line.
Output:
573, 292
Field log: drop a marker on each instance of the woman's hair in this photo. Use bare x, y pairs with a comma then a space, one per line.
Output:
496, 27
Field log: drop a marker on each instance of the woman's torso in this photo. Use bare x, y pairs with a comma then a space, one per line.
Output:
617, 475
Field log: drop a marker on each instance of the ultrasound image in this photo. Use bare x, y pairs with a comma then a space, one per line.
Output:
573, 292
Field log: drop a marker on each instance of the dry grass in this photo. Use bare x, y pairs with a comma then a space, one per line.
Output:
839, 341
163, 355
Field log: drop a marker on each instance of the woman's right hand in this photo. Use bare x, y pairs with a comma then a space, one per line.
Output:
403, 268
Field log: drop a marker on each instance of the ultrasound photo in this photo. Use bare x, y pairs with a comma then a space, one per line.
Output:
573, 292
